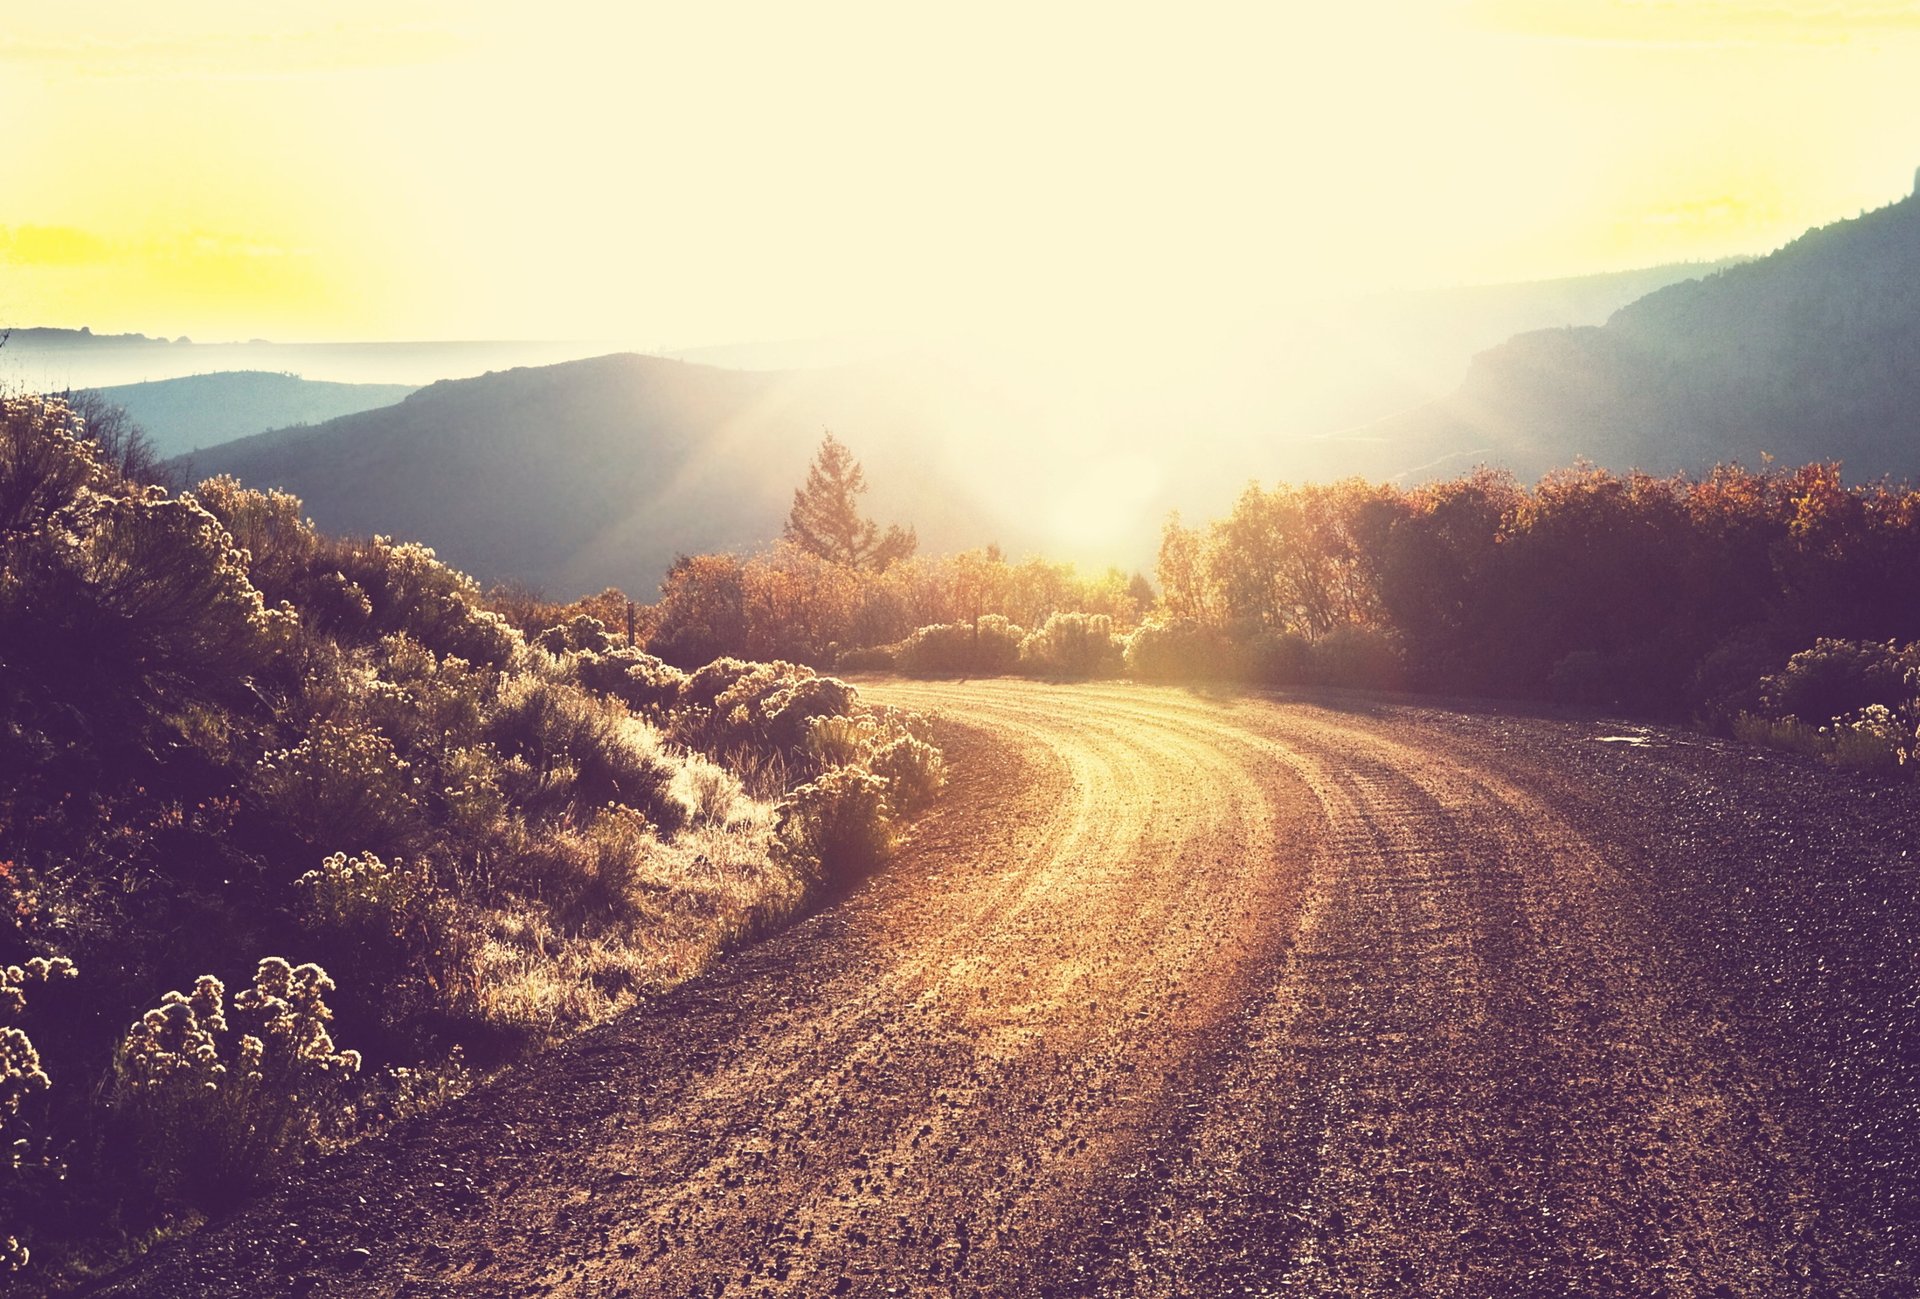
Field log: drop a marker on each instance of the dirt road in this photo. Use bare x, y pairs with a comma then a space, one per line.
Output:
1184, 996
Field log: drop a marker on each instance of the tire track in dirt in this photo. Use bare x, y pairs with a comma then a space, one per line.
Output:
1173, 996
1479, 1072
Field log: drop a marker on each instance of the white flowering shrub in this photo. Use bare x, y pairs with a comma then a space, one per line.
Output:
750, 711
836, 827
915, 772
45, 459
411, 591
337, 604
213, 1102
268, 527
1877, 738
471, 792
379, 903
583, 632
21, 1078
644, 683
166, 576
444, 695
839, 741
702, 689
1837, 678
394, 927
343, 782
20, 1071
114, 599
224, 681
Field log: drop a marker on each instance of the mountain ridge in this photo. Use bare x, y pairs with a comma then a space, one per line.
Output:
585, 474
1809, 353
196, 411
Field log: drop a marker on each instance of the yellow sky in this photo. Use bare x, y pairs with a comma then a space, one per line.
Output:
705, 172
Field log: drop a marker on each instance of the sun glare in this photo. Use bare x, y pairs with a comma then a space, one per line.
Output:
688, 175
1098, 501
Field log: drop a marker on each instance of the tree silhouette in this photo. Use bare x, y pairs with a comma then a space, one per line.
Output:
826, 519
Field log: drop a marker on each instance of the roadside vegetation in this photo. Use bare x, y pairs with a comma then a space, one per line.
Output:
1715, 598
296, 834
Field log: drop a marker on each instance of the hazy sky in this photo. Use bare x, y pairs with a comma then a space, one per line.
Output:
704, 172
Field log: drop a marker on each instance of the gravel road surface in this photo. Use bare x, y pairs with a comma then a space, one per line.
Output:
1207, 996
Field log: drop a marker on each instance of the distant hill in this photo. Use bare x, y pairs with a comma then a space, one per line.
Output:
599, 471
182, 415
1810, 353
53, 360
575, 476
41, 336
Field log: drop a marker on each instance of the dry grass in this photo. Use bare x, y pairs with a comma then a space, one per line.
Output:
702, 893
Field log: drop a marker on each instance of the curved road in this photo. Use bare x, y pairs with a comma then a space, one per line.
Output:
1176, 996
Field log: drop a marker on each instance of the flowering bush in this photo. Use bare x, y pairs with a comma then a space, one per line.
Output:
213, 1105
1876, 738
643, 682
730, 707
1837, 677
343, 782
471, 792
222, 680
839, 741
421, 699
267, 527
114, 599
375, 917
21, 1076
583, 632
914, 771
837, 826
411, 591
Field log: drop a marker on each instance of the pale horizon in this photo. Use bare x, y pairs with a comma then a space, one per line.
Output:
671, 180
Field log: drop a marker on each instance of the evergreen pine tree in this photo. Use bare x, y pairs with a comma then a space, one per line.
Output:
826, 518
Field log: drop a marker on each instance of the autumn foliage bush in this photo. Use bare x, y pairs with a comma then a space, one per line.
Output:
1662, 594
